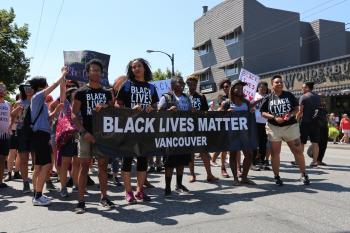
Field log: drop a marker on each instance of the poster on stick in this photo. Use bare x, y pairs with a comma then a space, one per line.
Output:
252, 81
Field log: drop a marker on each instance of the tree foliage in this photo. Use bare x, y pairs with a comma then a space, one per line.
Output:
14, 65
162, 75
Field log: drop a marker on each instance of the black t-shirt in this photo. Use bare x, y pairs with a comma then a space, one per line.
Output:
138, 93
89, 98
311, 101
279, 106
199, 102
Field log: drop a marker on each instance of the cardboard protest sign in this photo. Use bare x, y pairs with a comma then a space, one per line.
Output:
76, 61
252, 81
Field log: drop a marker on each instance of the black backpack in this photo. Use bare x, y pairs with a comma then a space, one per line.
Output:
28, 124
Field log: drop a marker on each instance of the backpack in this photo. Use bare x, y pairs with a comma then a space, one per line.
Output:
171, 101
28, 123
65, 129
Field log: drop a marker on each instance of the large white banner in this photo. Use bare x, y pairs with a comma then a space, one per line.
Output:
163, 86
252, 81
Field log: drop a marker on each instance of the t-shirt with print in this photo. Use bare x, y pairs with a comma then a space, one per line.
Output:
89, 98
42, 123
279, 106
182, 102
134, 93
5, 109
259, 118
311, 101
199, 102
20, 118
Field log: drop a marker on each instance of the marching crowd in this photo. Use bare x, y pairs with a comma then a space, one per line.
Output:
58, 133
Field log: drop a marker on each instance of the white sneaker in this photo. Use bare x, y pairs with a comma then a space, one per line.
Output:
46, 197
41, 201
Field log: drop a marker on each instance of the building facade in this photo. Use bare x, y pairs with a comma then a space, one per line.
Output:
239, 34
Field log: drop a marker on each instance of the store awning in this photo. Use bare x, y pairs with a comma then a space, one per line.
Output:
202, 71
228, 32
200, 44
229, 62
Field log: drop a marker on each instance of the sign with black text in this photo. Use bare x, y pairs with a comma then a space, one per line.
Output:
129, 132
76, 61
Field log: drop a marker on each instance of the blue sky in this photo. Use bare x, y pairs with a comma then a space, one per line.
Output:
126, 29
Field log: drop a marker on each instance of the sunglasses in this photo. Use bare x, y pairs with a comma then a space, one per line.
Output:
226, 86
27, 88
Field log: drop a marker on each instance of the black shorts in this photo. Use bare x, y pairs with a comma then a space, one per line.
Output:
70, 149
41, 148
177, 160
24, 142
4, 147
309, 130
14, 140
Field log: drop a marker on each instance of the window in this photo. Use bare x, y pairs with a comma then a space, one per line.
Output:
231, 38
204, 49
301, 42
232, 70
204, 77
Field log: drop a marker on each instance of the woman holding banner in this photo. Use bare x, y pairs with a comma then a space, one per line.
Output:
237, 103
175, 101
225, 86
137, 93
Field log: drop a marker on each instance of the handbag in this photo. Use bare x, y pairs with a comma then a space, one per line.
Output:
65, 129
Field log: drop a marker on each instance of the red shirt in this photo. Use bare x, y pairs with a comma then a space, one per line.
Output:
345, 123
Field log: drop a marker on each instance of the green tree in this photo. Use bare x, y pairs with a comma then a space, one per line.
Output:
14, 65
162, 75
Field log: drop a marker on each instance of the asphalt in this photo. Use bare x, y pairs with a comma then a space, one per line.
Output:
324, 206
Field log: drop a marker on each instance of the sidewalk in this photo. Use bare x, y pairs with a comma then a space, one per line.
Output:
338, 146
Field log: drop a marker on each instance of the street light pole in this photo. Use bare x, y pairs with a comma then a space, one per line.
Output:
170, 56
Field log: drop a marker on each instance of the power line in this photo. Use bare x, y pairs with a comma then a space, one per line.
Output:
39, 26
52, 35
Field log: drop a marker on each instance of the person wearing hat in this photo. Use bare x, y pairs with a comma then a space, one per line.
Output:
68, 152
238, 103
24, 145
280, 108
199, 103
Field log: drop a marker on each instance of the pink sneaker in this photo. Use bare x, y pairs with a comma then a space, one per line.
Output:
129, 197
142, 196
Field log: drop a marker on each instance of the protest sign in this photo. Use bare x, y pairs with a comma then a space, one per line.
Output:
252, 81
76, 61
163, 86
132, 133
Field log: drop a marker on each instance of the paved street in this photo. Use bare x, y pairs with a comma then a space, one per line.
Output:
324, 206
